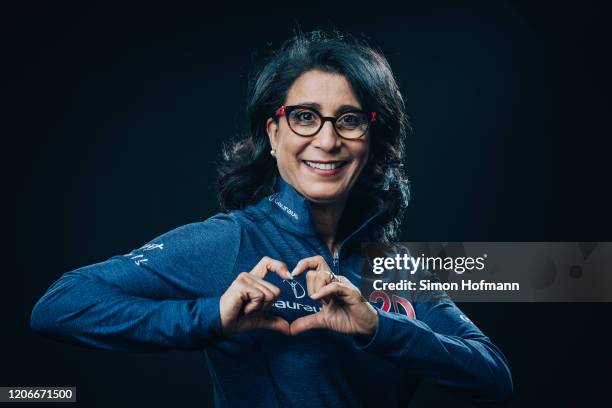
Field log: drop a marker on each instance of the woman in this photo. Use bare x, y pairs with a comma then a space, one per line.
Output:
270, 287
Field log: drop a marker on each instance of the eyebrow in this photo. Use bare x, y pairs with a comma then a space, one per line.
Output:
341, 108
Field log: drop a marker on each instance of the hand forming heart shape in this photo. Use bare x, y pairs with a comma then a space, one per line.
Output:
344, 309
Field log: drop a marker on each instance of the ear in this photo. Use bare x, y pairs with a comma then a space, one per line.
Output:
272, 129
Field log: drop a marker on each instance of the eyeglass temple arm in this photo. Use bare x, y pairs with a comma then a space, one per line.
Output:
282, 111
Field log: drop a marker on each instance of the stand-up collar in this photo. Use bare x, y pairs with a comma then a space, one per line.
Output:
290, 210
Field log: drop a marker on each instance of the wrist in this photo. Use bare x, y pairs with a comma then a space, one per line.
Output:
370, 323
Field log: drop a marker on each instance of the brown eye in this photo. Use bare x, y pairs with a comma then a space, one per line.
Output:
351, 120
305, 116
304, 120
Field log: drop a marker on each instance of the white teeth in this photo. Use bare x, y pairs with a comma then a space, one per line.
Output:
325, 166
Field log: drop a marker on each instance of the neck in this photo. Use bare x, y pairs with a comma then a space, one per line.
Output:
326, 218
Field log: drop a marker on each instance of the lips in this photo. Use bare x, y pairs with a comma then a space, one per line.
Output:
325, 165
325, 168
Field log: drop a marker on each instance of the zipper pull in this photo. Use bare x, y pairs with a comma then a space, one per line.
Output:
336, 261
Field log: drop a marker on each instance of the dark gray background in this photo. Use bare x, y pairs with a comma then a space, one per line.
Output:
114, 115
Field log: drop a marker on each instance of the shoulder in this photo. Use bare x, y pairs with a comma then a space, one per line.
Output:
222, 231
217, 235
214, 242
253, 218
220, 226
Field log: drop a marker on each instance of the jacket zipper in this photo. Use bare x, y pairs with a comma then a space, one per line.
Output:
336, 254
336, 262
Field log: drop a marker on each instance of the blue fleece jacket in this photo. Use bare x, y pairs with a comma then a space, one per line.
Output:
166, 293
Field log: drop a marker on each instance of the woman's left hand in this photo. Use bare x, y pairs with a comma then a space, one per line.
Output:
344, 309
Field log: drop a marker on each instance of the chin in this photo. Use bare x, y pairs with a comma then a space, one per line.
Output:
324, 194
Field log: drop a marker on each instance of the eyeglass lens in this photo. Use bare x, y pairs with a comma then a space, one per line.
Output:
307, 122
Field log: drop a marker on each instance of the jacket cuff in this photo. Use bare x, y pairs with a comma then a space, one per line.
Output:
209, 323
381, 336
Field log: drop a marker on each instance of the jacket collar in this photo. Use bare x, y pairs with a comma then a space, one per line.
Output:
290, 210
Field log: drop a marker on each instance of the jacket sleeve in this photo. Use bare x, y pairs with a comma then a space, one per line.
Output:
163, 295
442, 345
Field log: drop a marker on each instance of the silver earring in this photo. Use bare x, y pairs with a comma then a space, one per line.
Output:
273, 152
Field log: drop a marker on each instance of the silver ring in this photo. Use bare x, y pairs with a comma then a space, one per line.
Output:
332, 276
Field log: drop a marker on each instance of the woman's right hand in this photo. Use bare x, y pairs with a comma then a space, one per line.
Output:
249, 295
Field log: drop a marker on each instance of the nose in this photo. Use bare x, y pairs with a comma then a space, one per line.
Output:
327, 139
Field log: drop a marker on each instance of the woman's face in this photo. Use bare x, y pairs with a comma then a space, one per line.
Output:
297, 156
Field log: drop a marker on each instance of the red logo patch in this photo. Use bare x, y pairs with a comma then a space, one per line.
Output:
400, 305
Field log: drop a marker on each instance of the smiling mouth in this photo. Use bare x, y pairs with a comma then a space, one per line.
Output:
332, 165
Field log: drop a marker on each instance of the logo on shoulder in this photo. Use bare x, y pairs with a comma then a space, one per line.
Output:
273, 198
139, 258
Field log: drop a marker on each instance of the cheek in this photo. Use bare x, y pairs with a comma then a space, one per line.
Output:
291, 145
362, 154
289, 148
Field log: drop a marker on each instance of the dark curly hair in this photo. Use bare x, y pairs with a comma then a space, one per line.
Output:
247, 172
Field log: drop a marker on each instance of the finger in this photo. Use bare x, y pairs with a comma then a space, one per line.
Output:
252, 294
322, 278
315, 280
310, 278
305, 323
270, 291
346, 281
253, 299
314, 262
334, 288
269, 297
276, 292
267, 264
263, 321
343, 279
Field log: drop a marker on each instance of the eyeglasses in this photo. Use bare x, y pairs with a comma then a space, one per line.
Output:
306, 121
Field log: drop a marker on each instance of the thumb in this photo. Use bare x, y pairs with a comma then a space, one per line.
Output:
264, 321
305, 323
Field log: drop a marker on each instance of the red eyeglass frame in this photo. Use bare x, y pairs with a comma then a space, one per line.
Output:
282, 111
